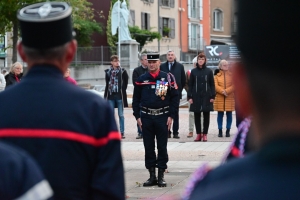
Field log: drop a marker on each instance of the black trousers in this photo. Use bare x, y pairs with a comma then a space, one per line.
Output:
155, 126
206, 118
176, 123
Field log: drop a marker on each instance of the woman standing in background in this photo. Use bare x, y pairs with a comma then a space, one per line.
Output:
224, 97
15, 74
68, 77
201, 95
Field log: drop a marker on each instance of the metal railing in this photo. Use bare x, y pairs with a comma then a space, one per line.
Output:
101, 55
94, 55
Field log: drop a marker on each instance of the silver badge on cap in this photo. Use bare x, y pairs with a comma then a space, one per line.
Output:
49, 11
46, 9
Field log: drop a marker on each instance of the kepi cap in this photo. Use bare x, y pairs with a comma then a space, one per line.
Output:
45, 25
153, 56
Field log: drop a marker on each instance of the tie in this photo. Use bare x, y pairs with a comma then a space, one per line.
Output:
170, 66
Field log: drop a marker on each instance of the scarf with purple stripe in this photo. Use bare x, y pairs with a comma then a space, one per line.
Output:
113, 85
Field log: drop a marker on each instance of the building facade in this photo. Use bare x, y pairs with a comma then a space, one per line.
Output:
161, 16
194, 30
103, 7
223, 21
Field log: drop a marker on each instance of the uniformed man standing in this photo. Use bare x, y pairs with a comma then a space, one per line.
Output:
137, 72
156, 96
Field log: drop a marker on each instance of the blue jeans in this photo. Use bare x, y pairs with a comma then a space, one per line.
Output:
228, 119
120, 112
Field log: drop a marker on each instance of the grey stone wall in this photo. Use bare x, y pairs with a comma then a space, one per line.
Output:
94, 75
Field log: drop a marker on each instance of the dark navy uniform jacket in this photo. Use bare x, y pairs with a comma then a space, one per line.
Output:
70, 132
144, 94
271, 173
20, 177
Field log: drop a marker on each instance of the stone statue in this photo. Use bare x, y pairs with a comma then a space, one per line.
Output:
124, 20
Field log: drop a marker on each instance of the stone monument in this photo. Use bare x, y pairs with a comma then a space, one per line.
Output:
128, 46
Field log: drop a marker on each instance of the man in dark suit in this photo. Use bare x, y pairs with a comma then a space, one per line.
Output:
265, 89
177, 70
137, 72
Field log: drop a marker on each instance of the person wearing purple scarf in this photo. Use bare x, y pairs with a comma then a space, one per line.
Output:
116, 79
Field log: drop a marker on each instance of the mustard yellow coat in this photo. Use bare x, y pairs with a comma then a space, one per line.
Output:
223, 81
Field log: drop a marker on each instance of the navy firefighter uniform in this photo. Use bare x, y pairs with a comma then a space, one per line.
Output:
71, 133
156, 96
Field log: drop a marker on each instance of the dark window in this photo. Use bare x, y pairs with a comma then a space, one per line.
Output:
145, 21
217, 19
165, 2
149, 1
166, 28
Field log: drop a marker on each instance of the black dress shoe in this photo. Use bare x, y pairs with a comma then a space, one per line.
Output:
139, 136
176, 136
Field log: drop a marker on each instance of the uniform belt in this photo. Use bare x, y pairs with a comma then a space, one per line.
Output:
158, 111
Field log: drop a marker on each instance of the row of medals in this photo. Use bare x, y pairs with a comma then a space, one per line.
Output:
161, 88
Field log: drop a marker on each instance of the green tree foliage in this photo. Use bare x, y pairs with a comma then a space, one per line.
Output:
83, 21
111, 39
8, 19
82, 15
143, 36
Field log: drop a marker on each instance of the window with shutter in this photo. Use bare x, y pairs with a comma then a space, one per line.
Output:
196, 9
189, 35
165, 3
160, 26
147, 24
172, 3
143, 20
193, 36
132, 14
217, 19
201, 9
201, 42
189, 9
172, 27
193, 8
165, 27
